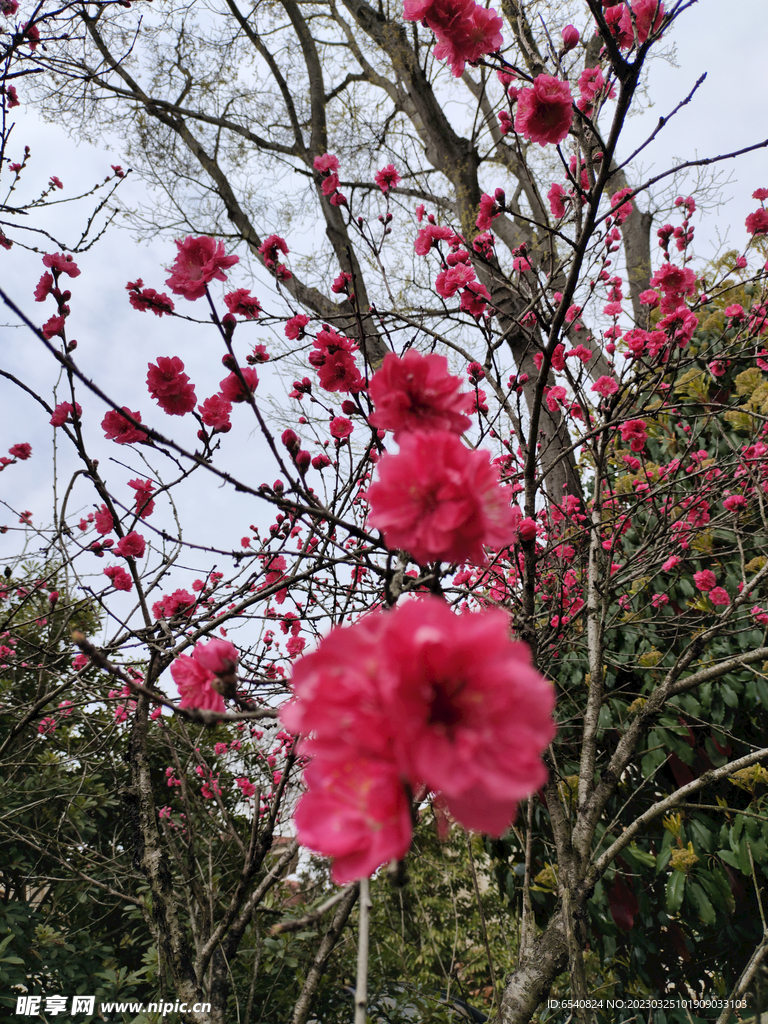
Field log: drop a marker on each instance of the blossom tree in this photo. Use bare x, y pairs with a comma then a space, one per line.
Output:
508, 575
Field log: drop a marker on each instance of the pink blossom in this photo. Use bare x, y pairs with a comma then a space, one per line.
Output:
43, 288
246, 787
199, 261
144, 490
132, 545
117, 428
465, 31
214, 413
735, 503
675, 282
570, 38
682, 324
387, 178
64, 413
635, 431
448, 282
649, 298
465, 39
333, 358
671, 563
272, 245
734, 312
544, 112
648, 15
447, 700
474, 298
20, 451
355, 811
103, 521
341, 428
143, 299
557, 196
757, 222
621, 209
119, 577
416, 392
489, 210
170, 386
194, 682
326, 163
242, 303
62, 263
605, 386
294, 328
704, 580
180, 602
440, 501
719, 596
218, 656
52, 327
472, 714
430, 235
232, 389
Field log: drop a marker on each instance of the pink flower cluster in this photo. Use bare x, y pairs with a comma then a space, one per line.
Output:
409, 701
465, 31
199, 261
198, 677
436, 499
545, 111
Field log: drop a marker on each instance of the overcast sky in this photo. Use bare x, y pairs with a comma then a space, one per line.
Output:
730, 111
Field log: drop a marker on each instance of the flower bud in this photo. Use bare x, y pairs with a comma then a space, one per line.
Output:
570, 37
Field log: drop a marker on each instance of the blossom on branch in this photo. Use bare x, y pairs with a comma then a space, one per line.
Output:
417, 696
199, 261
416, 392
440, 501
544, 112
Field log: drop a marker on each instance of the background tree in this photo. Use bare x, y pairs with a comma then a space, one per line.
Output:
629, 430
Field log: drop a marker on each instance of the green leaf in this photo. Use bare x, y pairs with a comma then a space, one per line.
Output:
705, 908
675, 891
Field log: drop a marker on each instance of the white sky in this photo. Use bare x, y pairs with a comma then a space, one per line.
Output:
115, 342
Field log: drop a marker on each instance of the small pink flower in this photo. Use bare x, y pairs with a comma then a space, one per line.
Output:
570, 37
341, 428
440, 501
356, 811
635, 431
757, 222
605, 386
20, 451
170, 386
132, 545
242, 303
119, 577
294, 328
387, 178
194, 682
218, 656
117, 428
704, 580
719, 596
671, 563
557, 197
735, 503
199, 261
544, 112
214, 413
232, 389
416, 392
